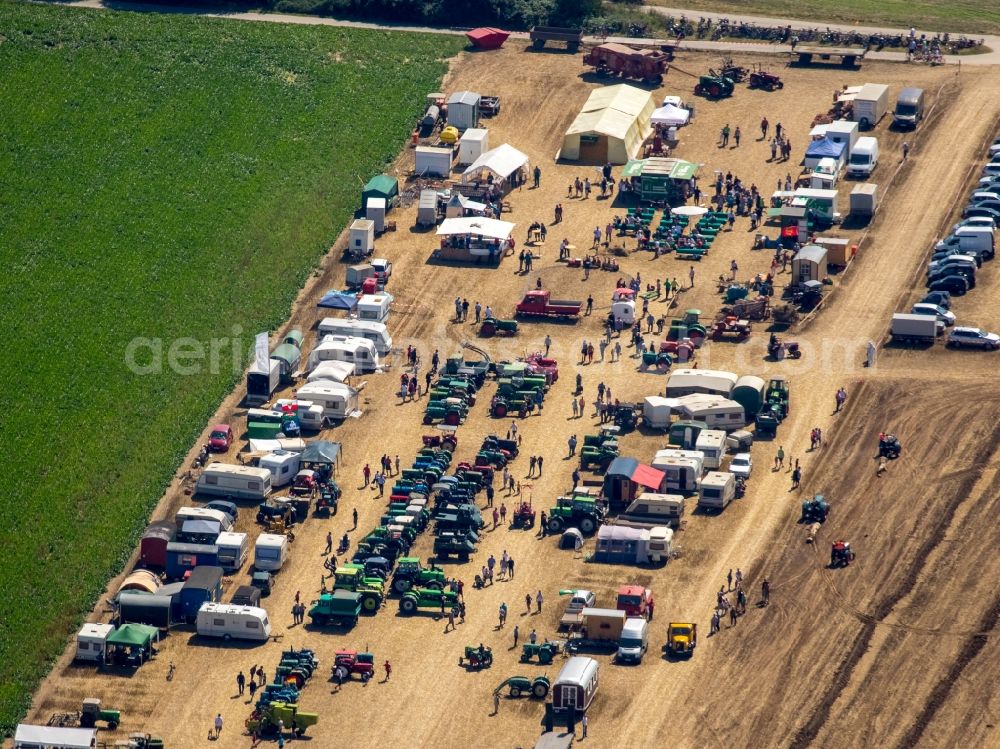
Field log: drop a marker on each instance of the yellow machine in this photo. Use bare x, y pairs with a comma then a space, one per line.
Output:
682, 637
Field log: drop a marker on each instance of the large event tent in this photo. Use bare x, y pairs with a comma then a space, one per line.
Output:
611, 126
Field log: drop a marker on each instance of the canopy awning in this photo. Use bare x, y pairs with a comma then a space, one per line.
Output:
65, 738
647, 476
338, 300
321, 451
477, 225
338, 371
503, 161
670, 115
133, 635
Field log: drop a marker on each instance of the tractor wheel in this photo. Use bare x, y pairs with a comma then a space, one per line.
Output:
341, 674
401, 585
515, 692
112, 725
779, 84
555, 525
365, 676
463, 556
487, 330
87, 721
715, 91
370, 603
435, 585
698, 90
408, 605
319, 620
500, 410
588, 525
540, 690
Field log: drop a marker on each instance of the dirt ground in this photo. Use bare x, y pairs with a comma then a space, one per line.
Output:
893, 651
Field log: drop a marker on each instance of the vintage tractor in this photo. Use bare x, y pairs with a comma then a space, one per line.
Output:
266, 719
545, 652
778, 350
760, 78
371, 589
714, 86
411, 573
523, 515
304, 484
523, 686
457, 544
476, 657
732, 71
576, 511
815, 510
329, 498
841, 554
340, 607
295, 668
426, 598
88, 716
492, 326
273, 509
888, 446
347, 663
731, 327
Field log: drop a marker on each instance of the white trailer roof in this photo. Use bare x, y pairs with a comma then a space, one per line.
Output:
478, 225
65, 738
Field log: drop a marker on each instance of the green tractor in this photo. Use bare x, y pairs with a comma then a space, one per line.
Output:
523, 686
545, 652
426, 598
371, 589
411, 573
577, 511
140, 741
267, 718
92, 712
714, 86
339, 607
492, 326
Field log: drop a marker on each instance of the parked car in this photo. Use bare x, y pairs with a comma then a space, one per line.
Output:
948, 318
952, 284
956, 258
991, 168
225, 507
978, 220
940, 298
981, 210
973, 338
741, 465
938, 258
948, 271
983, 202
221, 438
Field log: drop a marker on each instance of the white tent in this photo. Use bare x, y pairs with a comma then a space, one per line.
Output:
503, 161
477, 225
458, 204
670, 116
336, 371
611, 126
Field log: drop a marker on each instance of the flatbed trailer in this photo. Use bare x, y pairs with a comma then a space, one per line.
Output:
849, 57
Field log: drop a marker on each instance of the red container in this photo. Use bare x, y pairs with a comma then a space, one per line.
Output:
486, 37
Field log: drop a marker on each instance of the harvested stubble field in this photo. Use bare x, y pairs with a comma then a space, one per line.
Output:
830, 656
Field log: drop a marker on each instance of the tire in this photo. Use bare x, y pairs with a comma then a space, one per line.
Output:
365, 677
540, 690
408, 606
715, 91
401, 585
555, 525
370, 604
112, 725
587, 525
780, 84
435, 585
320, 620
698, 90
515, 692
500, 410
87, 721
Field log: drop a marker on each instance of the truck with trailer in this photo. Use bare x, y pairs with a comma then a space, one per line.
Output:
906, 328
538, 303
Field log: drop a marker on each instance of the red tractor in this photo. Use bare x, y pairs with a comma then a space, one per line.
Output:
760, 78
523, 516
346, 663
841, 554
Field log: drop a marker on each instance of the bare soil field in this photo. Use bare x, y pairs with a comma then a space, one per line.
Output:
893, 651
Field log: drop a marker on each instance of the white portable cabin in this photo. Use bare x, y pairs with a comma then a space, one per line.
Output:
270, 552
576, 685
53, 737
370, 330
357, 351
430, 161
463, 109
338, 400
673, 452
843, 131
233, 622
822, 203
474, 143
712, 442
679, 474
656, 411
427, 208
718, 489
374, 308
234, 548
362, 238
92, 641
718, 413
809, 264
711, 381
283, 465
375, 212
203, 513
240, 482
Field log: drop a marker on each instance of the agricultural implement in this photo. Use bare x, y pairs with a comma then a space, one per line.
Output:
522, 686
476, 657
411, 573
731, 327
762, 79
732, 71
266, 719
140, 741
425, 598
573, 38
347, 663
545, 652
647, 65
841, 554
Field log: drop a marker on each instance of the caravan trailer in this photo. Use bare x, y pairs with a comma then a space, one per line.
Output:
717, 412
239, 482
576, 685
679, 474
718, 489
672, 452
308, 414
357, 351
337, 400
203, 513
374, 307
282, 464
712, 382
656, 411
233, 550
650, 510
270, 552
712, 442
369, 329
233, 622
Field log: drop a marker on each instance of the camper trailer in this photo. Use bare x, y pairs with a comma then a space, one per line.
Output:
673, 452
684, 433
679, 474
656, 411
576, 685
92, 641
712, 442
337, 400
240, 482
233, 550
661, 544
282, 464
717, 412
270, 552
203, 513
374, 308
650, 510
712, 382
233, 622
357, 351
369, 329
718, 489
261, 383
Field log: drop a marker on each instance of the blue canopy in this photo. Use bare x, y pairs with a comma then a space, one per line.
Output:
338, 300
823, 148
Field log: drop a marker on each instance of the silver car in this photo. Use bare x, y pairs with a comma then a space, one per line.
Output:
973, 338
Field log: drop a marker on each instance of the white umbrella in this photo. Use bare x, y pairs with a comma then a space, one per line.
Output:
689, 210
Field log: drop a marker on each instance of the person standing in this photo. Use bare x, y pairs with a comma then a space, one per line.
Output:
510, 567
218, 724
736, 136
539, 465
779, 458
527, 602
241, 682
584, 721
326, 552
906, 150
732, 616
517, 634
548, 344
531, 466
691, 275
388, 670
537, 174
479, 311
796, 477
576, 410
538, 601
572, 445
841, 398
252, 687
729, 580
763, 128
765, 591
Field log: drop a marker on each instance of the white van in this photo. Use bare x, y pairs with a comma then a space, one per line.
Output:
233, 550
661, 542
650, 510
203, 513
239, 482
270, 552
712, 442
864, 157
634, 641
374, 307
370, 330
357, 351
718, 489
233, 622
282, 464
680, 474
982, 238
337, 400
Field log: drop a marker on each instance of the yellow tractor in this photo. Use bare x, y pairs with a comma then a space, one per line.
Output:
682, 637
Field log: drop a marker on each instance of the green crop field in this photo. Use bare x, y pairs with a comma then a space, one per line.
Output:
971, 17
161, 177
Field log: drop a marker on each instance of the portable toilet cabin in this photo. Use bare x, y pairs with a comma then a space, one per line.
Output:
233, 550
362, 238
282, 465
712, 442
430, 161
474, 143
375, 210
91, 642
463, 109
153, 545
749, 393
809, 264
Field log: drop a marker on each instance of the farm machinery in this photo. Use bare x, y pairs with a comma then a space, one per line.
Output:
425, 598
779, 350
682, 639
295, 669
647, 65
815, 510
732, 71
714, 86
88, 716
518, 393
598, 450
545, 652
492, 326
579, 511
448, 544
411, 573
267, 719
732, 328
760, 78
841, 554
523, 686
139, 741
476, 657
888, 446
347, 663
523, 515
775, 408
352, 579
339, 607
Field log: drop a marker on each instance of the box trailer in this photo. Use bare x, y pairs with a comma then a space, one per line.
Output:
369, 329
907, 328
261, 383
428, 210
356, 275
181, 558
657, 410
362, 238
282, 465
864, 199
474, 143
718, 489
52, 737
204, 584
153, 545
233, 622
246, 595
238, 482
233, 550
430, 161
576, 685
870, 105
270, 552
142, 608
712, 443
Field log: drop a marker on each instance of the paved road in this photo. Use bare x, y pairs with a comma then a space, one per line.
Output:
991, 58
